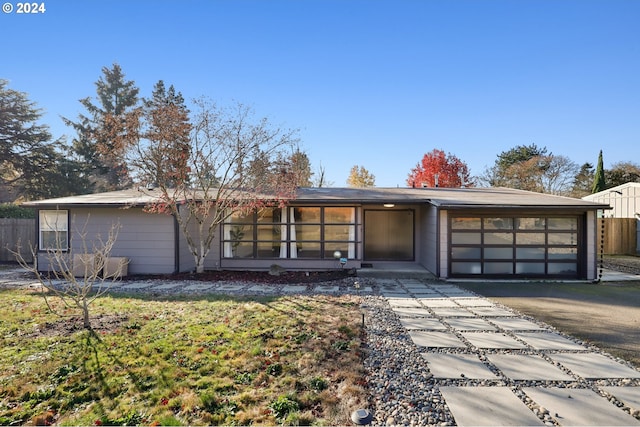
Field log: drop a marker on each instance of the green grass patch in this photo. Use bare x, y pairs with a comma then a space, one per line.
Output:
206, 361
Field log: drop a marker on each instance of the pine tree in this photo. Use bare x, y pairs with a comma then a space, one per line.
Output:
108, 130
32, 164
599, 183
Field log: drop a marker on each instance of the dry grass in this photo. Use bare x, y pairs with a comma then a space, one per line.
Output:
193, 362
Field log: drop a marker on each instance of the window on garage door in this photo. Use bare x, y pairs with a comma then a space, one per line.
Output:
514, 246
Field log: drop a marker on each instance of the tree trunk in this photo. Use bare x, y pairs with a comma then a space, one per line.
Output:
86, 322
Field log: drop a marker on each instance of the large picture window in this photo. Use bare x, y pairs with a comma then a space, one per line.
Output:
53, 230
507, 246
293, 232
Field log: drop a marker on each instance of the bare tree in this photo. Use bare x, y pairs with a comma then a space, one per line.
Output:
321, 178
80, 276
235, 164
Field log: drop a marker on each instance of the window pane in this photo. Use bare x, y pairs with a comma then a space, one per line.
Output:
308, 250
307, 232
465, 238
307, 215
269, 215
563, 238
462, 252
53, 220
529, 253
242, 249
48, 240
498, 238
240, 217
268, 249
498, 223
529, 268
498, 268
563, 223
498, 253
269, 232
563, 253
330, 248
53, 229
240, 232
337, 232
530, 223
466, 268
530, 239
339, 215
465, 223
563, 268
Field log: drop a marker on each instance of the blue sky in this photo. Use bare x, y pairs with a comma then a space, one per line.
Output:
373, 83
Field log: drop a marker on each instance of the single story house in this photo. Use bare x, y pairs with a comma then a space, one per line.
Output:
452, 232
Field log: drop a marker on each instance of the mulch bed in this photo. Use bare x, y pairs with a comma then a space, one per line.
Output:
287, 277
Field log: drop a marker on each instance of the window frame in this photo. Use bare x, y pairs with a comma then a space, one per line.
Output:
59, 213
289, 228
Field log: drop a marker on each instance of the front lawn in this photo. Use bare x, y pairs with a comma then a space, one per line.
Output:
201, 361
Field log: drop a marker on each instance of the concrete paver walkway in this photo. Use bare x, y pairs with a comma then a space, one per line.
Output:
532, 374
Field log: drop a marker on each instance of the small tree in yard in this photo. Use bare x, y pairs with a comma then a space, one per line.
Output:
75, 292
234, 164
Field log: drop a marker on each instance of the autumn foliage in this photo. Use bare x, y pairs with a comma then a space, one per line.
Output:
437, 169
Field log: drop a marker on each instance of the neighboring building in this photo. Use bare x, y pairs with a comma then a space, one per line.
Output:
623, 199
453, 233
622, 222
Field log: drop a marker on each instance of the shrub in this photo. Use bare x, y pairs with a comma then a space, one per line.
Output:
283, 406
9, 210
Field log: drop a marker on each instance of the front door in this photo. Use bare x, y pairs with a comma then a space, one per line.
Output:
388, 235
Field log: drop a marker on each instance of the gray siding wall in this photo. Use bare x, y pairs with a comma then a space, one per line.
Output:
444, 243
428, 241
187, 260
147, 240
591, 245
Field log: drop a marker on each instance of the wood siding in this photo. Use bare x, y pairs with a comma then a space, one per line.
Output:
620, 236
14, 231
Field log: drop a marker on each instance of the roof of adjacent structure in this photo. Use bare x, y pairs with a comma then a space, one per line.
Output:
630, 188
441, 197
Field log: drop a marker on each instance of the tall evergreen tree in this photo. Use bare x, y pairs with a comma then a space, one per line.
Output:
599, 183
301, 168
32, 165
108, 129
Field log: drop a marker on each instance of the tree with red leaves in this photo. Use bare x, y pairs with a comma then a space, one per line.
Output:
437, 169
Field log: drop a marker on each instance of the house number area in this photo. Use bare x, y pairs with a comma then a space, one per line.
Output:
24, 8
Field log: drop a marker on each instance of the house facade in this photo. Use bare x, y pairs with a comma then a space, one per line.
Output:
454, 233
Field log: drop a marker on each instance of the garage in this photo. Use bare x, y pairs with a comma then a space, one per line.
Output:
520, 246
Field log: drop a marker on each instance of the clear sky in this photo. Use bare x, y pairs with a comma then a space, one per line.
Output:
376, 83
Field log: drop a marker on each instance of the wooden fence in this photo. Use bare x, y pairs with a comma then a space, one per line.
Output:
620, 235
12, 231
